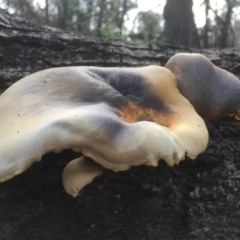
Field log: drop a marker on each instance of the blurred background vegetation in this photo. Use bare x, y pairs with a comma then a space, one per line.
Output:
174, 22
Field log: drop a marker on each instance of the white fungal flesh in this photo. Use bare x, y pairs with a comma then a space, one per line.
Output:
80, 129
78, 173
32, 125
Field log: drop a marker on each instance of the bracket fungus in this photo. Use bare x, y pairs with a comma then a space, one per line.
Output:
214, 92
116, 117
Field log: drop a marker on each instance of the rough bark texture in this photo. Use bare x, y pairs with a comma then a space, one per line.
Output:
195, 200
180, 28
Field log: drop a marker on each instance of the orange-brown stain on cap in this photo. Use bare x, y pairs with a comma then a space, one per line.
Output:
134, 113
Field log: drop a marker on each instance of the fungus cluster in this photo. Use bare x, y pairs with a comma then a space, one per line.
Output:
116, 117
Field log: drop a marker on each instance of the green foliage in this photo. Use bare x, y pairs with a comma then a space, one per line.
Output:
112, 32
148, 28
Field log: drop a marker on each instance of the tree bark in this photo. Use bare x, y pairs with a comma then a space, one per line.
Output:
197, 199
180, 28
206, 27
102, 6
122, 14
226, 24
63, 14
46, 12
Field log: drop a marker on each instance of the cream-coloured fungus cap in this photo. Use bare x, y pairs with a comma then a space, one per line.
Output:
68, 108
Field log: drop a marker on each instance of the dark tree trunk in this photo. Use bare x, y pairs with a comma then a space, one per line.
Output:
197, 199
46, 11
226, 25
206, 27
122, 14
63, 17
180, 28
100, 17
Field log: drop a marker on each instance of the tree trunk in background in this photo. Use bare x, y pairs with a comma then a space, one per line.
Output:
206, 27
226, 25
180, 28
46, 12
100, 17
122, 14
63, 14
197, 199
